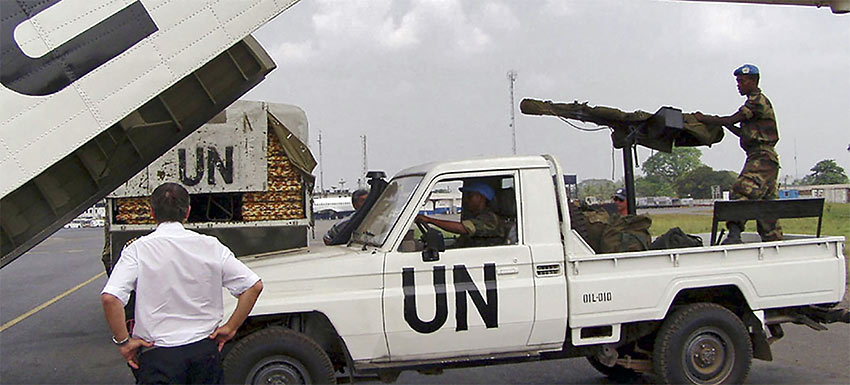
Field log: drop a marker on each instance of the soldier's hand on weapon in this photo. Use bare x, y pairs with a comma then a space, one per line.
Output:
699, 115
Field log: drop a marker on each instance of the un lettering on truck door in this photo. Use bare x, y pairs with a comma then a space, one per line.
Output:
487, 308
471, 298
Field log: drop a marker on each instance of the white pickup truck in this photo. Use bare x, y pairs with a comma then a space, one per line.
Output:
388, 302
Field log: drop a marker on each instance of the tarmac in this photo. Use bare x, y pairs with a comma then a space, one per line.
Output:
52, 331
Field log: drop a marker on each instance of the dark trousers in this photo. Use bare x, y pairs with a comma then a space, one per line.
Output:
195, 363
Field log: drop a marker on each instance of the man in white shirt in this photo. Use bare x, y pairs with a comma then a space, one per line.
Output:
178, 277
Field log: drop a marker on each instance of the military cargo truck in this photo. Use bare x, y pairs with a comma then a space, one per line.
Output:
248, 172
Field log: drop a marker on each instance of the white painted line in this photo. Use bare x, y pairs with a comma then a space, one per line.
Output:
48, 303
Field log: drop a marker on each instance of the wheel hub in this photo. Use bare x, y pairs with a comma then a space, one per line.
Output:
709, 357
279, 370
706, 356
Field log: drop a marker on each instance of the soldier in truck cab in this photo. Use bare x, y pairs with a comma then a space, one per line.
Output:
358, 199
483, 227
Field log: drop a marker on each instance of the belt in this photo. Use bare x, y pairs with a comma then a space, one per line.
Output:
145, 349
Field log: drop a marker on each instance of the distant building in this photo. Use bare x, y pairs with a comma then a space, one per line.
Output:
833, 193
446, 202
789, 194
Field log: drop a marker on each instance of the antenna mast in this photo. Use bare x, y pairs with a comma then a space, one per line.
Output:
512, 79
321, 165
362, 179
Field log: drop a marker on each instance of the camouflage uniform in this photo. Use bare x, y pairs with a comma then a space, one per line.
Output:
484, 229
757, 180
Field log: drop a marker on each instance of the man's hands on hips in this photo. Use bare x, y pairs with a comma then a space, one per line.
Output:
130, 350
244, 305
223, 334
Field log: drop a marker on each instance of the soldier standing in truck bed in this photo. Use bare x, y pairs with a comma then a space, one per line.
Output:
759, 135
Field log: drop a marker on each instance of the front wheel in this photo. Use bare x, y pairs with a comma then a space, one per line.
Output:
277, 355
703, 343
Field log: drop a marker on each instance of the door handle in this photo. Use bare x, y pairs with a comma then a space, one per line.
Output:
508, 270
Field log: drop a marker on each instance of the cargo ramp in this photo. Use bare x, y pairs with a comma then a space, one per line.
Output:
85, 111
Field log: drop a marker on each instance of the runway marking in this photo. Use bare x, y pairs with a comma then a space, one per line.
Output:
48, 303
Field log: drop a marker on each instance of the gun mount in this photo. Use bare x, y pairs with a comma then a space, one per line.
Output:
666, 128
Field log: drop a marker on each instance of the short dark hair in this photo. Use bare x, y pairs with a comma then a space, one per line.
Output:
170, 202
359, 193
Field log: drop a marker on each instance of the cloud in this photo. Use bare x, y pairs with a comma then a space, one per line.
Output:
730, 27
558, 8
425, 79
451, 26
498, 16
349, 19
294, 53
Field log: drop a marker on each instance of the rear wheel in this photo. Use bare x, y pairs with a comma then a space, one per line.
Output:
277, 356
702, 343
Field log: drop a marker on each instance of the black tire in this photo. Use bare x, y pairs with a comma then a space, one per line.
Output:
703, 343
617, 373
277, 355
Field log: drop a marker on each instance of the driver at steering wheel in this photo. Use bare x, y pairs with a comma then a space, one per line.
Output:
483, 227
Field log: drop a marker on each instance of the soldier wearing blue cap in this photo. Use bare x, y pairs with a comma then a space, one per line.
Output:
483, 227
758, 136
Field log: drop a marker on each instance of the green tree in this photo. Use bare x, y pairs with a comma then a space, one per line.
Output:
599, 188
651, 186
670, 167
697, 183
826, 172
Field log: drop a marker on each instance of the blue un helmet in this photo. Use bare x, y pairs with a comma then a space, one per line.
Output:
480, 187
746, 69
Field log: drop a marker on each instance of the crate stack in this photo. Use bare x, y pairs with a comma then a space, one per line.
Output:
285, 196
133, 211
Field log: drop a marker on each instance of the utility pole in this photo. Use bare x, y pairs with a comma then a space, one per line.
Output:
321, 165
512, 79
362, 180
796, 174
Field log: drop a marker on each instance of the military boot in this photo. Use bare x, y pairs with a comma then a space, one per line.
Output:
734, 236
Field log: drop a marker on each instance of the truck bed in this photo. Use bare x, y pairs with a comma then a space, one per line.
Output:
638, 286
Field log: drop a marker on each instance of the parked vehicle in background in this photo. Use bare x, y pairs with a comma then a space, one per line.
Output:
76, 224
332, 207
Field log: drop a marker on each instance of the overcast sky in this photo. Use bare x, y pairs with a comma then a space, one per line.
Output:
426, 80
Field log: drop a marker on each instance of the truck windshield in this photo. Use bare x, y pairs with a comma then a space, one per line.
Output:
380, 219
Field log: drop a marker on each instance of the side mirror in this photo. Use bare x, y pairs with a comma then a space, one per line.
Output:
434, 244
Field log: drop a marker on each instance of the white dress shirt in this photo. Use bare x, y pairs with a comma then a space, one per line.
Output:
178, 275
